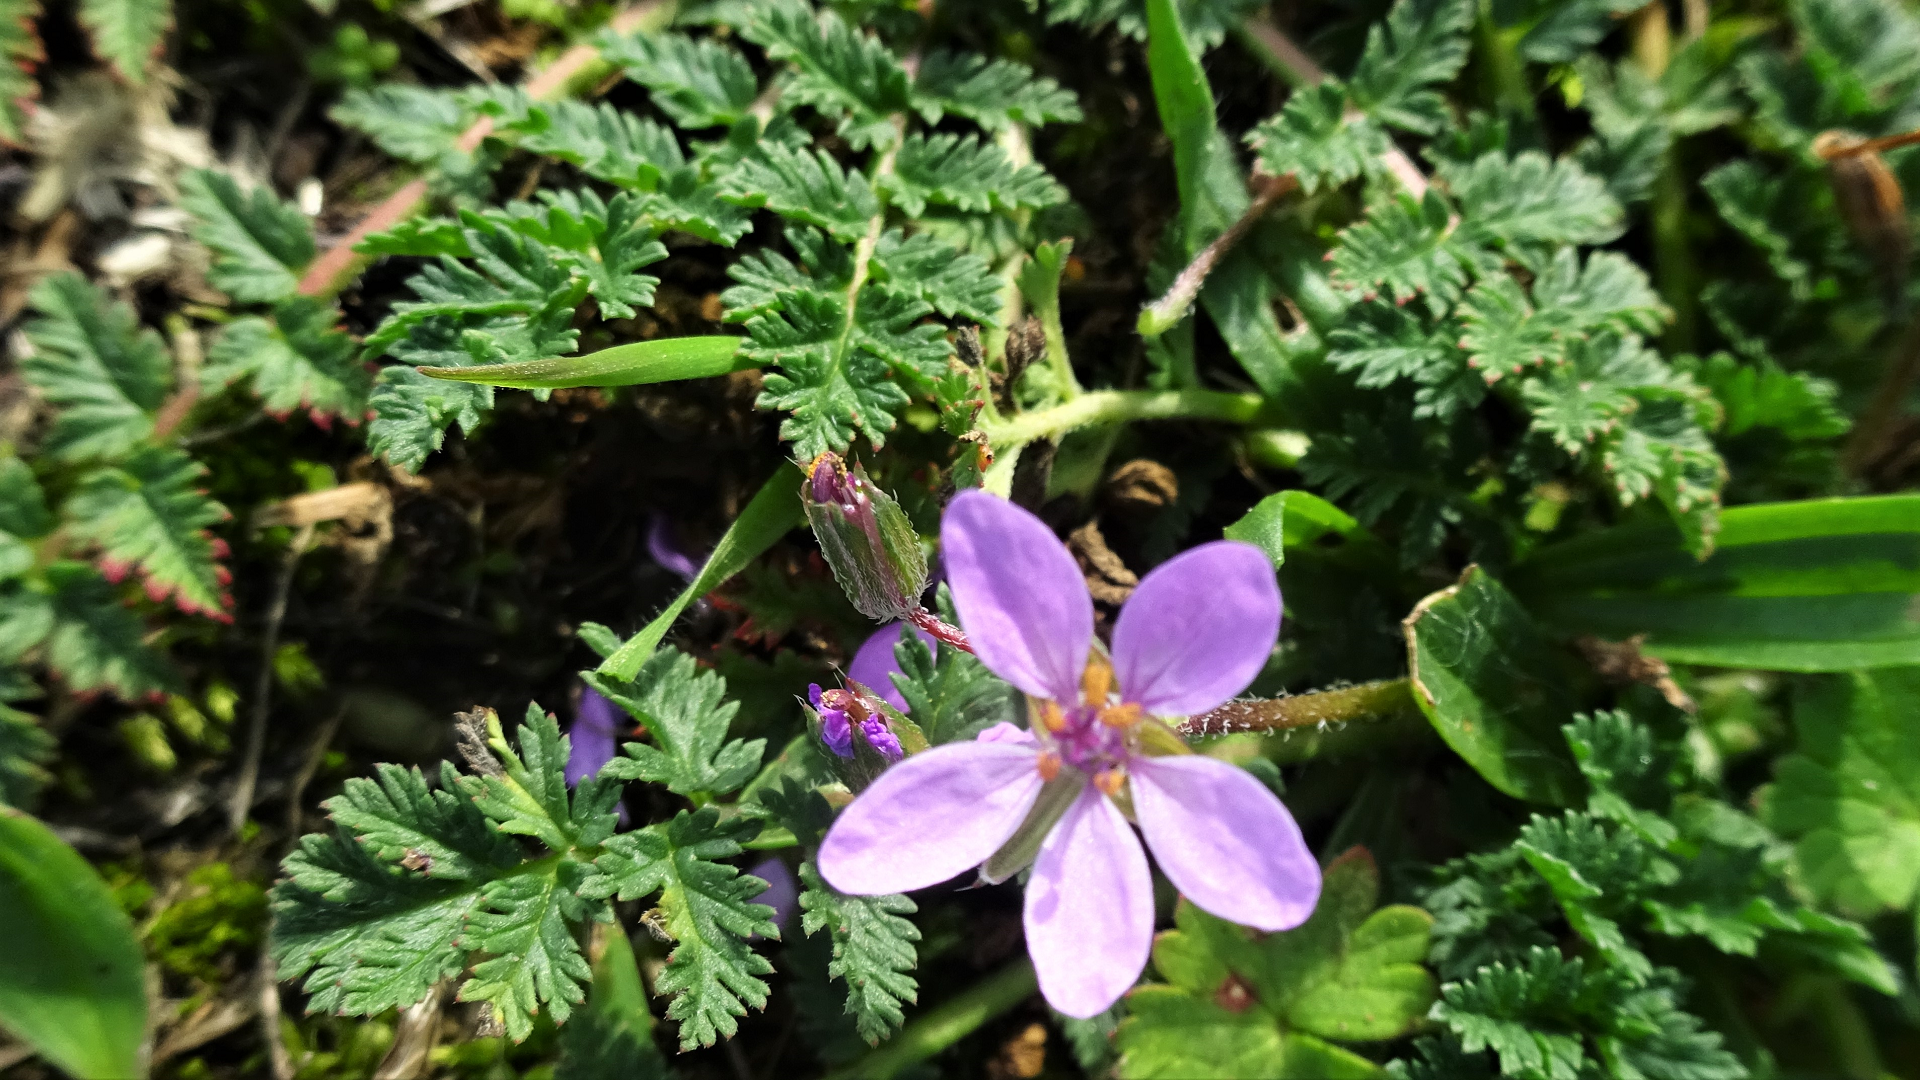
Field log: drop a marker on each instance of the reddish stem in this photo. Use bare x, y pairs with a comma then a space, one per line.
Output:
940, 631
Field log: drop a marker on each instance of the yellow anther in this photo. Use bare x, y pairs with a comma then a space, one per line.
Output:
1109, 782
1120, 716
1049, 765
1051, 716
1096, 682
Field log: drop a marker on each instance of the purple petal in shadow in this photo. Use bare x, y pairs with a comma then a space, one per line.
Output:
1225, 841
874, 665
1019, 594
1089, 913
1197, 630
594, 736
782, 893
660, 548
934, 815
594, 739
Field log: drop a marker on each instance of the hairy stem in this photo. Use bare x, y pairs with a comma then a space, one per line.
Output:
339, 264
1118, 406
952, 1021
1165, 313
1368, 701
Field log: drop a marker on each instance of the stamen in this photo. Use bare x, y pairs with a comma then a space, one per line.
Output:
1096, 682
1121, 716
1049, 765
1110, 781
1052, 717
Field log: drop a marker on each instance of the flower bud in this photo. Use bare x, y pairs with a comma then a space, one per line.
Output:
866, 538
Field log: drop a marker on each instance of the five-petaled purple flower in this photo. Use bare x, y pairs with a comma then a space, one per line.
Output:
1195, 633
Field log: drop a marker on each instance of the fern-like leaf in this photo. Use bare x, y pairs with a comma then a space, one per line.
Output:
95, 363
126, 33
697, 83
995, 94
873, 950
260, 244
148, 512
297, 360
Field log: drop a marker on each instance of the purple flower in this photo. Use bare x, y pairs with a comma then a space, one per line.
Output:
1195, 632
840, 712
874, 665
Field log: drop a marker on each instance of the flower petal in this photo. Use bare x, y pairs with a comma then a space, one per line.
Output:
932, 816
1019, 593
1197, 630
1225, 841
593, 738
874, 664
1089, 913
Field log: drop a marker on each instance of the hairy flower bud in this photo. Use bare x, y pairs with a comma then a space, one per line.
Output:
866, 538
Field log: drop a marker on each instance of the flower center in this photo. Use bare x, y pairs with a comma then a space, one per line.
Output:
1090, 734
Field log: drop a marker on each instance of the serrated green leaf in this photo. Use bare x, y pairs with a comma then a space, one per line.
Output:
967, 173
127, 33
298, 359
1513, 1012
604, 142
24, 517
513, 274
368, 935
950, 695
95, 643
832, 389
95, 363
845, 74
412, 412
25, 748
954, 284
20, 52
698, 83
525, 921
995, 94
685, 711
1402, 248
712, 972
1531, 200
1488, 679
1314, 138
873, 950
149, 512
437, 830
807, 186
1421, 45
412, 123
1799, 405
260, 244
530, 797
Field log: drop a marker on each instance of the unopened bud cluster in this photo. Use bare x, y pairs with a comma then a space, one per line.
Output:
866, 538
